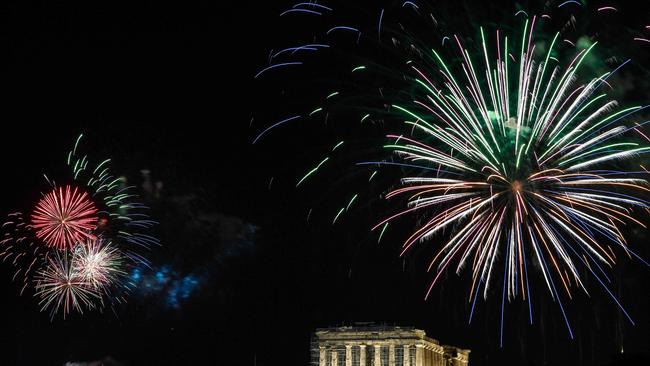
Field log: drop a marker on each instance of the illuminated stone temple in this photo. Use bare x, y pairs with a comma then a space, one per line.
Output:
382, 346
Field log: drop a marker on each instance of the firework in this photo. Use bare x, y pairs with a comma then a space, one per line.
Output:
123, 217
81, 239
20, 248
64, 217
61, 287
536, 180
507, 149
99, 263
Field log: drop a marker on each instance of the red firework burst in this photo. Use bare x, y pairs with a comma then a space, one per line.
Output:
64, 217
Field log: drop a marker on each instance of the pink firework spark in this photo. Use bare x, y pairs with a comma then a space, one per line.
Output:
64, 217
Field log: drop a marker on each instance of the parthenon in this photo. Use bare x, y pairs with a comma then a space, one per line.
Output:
382, 346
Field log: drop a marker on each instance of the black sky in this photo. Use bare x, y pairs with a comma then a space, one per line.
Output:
168, 86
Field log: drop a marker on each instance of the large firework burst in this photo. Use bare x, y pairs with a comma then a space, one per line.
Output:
511, 149
533, 180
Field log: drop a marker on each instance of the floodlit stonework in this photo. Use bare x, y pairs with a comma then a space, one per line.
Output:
382, 346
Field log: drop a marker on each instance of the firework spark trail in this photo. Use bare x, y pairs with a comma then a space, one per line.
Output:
19, 248
126, 216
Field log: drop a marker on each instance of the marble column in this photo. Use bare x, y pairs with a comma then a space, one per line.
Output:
335, 357
362, 355
391, 355
419, 355
407, 355
348, 355
378, 355
322, 356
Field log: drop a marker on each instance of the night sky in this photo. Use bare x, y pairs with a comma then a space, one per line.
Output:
244, 273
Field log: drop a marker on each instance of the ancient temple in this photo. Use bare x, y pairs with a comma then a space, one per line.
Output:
382, 346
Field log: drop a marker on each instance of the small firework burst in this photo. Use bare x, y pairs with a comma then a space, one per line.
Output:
64, 217
99, 263
61, 287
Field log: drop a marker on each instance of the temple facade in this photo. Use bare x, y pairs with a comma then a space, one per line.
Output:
382, 346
